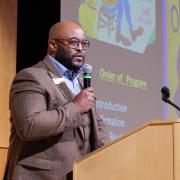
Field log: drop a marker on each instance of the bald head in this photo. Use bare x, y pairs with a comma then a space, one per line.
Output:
64, 30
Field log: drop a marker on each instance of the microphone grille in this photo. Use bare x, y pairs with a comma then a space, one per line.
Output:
165, 92
87, 68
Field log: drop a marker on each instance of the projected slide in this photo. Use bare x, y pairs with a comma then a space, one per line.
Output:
173, 55
177, 90
117, 23
126, 54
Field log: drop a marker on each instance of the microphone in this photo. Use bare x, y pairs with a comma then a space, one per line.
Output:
166, 95
87, 70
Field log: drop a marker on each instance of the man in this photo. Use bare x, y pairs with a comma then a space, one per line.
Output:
53, 121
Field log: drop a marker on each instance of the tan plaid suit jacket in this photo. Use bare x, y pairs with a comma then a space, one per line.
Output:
47, 132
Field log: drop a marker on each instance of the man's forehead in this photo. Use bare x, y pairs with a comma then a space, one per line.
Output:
72, 32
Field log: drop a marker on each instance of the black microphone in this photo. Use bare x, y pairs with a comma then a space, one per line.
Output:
166, 95
87, 70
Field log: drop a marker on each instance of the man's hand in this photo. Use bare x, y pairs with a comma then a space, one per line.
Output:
85, 99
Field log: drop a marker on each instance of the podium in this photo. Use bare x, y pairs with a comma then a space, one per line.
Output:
3, 159
151, 152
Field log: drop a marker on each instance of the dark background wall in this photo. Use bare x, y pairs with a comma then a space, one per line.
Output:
34, 20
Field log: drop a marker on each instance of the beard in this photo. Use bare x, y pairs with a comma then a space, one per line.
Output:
69, 59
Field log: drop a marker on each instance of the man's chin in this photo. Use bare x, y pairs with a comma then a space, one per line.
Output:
76, 67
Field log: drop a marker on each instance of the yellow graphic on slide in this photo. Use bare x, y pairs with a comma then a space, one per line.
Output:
173, 54
87, 17
128, 24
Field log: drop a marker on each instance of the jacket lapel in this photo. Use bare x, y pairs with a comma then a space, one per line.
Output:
54, 74
81, 128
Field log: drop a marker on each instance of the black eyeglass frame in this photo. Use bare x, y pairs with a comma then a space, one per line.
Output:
84, 43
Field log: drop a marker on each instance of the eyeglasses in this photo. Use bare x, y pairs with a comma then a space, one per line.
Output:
74, 43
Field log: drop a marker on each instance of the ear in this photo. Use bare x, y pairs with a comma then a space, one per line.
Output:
52, 46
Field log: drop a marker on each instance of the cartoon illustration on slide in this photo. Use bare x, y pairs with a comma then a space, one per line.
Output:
117, 23
120, 7
177, 94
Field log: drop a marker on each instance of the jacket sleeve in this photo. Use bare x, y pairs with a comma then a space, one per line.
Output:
103, 136
33, 110
101, 130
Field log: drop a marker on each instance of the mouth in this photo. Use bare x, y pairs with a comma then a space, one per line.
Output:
79, 58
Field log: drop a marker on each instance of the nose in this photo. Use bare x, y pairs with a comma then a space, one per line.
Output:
79, 47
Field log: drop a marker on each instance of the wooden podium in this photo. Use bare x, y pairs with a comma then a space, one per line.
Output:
151, 152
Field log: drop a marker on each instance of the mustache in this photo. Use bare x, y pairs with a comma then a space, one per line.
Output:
79, 55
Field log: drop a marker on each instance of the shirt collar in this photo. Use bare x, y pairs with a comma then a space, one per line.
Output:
63, 70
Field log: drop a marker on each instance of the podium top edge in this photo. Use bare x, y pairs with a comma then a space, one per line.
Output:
163, 122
